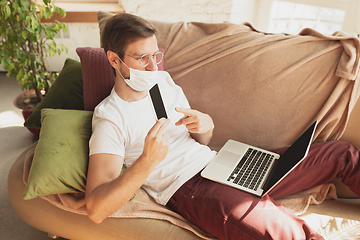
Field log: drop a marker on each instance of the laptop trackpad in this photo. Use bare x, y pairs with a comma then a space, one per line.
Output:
228, 159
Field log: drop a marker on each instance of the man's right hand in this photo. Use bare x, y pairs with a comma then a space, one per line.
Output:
156, 143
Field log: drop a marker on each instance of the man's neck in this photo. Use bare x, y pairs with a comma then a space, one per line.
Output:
126, 93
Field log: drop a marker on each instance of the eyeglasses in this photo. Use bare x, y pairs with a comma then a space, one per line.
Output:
145, 59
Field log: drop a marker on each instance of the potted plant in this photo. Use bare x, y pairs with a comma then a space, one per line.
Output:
26, 41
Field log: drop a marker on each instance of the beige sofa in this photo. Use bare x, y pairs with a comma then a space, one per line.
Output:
263, 89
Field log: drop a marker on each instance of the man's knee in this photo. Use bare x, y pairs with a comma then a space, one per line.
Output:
340, 147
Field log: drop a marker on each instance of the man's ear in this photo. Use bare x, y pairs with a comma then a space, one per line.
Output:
113, 59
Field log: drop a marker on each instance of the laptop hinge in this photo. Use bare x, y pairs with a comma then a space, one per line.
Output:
267, 184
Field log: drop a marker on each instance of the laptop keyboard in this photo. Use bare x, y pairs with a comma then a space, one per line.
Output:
251, 169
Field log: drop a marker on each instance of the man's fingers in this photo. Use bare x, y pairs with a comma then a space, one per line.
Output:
180, 121
164, 124
159, 127
188, 118
186, 111
192, 127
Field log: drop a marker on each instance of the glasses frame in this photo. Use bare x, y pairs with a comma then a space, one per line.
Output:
146, 54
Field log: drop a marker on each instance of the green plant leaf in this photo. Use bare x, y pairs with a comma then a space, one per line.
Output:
11, 67
34, 24
20, 74
23, 34
3, 2
7, 11
25, 4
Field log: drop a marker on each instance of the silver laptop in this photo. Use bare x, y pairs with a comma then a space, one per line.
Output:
253, 169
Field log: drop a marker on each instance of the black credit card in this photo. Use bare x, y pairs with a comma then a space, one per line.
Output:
157, 102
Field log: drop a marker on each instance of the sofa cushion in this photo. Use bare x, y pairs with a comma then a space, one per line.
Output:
97, 74
65, 93
102, 18
61, 156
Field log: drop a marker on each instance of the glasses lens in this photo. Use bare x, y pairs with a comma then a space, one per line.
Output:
158, 57
144, 60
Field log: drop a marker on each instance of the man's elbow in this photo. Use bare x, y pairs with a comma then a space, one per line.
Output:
95, 219
94, 215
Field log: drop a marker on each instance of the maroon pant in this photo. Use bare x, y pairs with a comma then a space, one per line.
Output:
228, 213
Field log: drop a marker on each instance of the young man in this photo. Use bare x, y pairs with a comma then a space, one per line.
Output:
165, 156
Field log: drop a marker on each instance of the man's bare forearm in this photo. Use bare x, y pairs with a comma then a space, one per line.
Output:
112, 196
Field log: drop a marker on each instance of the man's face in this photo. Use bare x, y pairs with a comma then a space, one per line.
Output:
138, 49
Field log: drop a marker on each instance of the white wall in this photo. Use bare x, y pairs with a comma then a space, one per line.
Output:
244, 11
78, 35
180, 10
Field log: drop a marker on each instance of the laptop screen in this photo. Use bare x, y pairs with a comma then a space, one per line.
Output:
290, 158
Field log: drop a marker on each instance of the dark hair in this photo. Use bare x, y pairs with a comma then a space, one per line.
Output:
122, 29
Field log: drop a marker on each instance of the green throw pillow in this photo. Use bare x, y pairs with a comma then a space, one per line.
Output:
61, 155
65, 93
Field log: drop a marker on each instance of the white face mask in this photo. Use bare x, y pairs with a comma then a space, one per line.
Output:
140, 80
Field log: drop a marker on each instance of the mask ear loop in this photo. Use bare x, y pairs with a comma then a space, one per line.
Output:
125, 66
120, 73
122, 62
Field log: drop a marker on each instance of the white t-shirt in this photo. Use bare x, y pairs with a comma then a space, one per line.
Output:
120, 128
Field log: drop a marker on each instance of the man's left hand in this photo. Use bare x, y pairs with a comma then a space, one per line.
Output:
195, 121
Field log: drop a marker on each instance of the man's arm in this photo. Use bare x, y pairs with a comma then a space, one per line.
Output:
200, 125
106, 190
